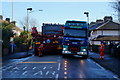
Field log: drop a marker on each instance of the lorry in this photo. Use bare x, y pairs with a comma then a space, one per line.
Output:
75, 38
49, 41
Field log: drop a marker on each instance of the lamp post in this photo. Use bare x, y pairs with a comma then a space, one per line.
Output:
12, 10
88, 30
28, 9
24, 28
87, 15
28, 18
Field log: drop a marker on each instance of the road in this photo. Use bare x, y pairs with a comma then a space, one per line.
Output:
55, 66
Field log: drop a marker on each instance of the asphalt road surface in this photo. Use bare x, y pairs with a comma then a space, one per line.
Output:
55, 66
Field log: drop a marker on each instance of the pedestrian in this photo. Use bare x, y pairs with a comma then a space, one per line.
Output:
110, 47
12, 47
102, 49
40, 50
116, 50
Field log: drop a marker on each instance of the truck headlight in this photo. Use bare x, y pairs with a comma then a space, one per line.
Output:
84, 49
82, 52
66, 51
64, 48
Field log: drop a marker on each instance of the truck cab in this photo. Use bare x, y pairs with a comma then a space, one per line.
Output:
75, 40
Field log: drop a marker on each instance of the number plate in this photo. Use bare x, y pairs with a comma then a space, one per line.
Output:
74, 42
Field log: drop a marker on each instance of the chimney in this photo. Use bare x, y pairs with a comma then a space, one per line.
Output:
1, 17
8, 20
92, 23
107, 18
14, 22
99, 21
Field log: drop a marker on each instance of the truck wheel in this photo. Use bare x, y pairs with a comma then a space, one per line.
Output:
64, 55
40, 55
85, 57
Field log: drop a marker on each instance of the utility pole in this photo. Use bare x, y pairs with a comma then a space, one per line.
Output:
12, 10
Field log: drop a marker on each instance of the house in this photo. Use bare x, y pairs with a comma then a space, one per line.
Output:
16, 30
104, 30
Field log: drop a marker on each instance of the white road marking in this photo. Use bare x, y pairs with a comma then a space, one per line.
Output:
116, 77
15, 63
56, 76
36, 73
47, 72
7, 68
15, 71
24, 68
59, 66
44, 68
100, 66
34, 67
53, 73
41, 73
24, 73
51, 67
16, 68
89, 60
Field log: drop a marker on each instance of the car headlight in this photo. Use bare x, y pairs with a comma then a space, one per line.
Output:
84, 49
64, 48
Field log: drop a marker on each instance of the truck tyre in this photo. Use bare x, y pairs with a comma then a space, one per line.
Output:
64, 55
85, 57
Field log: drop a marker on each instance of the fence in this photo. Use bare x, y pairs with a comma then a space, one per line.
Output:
114, 51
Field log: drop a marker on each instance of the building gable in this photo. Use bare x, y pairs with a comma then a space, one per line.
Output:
110, 25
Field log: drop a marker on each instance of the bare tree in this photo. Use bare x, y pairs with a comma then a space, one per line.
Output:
31, 23
116, 7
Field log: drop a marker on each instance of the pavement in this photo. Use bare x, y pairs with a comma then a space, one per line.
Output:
18, 55
109, 62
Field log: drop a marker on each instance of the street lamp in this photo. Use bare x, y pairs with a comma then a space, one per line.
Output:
28, 18
87, 15
34, 11
28, 9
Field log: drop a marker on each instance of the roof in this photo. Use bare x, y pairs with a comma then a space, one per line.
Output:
93, 27
17, 28
107, 38
109, 25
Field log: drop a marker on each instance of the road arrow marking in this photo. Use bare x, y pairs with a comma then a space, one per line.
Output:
53, 73
34, 67
24, 73
44, 68
59, 66
47, 72
24, 68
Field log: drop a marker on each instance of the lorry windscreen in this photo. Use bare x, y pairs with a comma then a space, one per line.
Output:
75, 33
